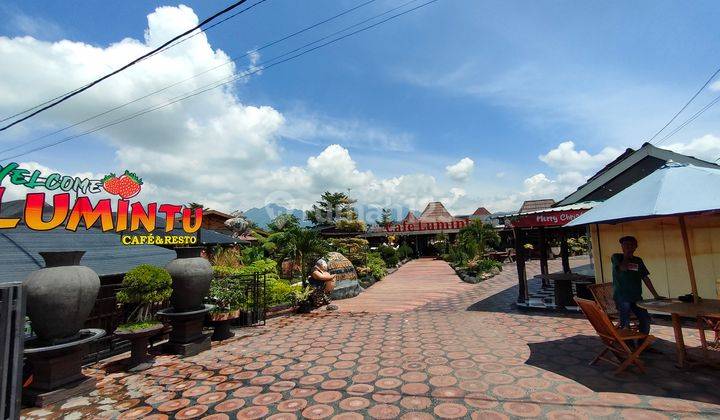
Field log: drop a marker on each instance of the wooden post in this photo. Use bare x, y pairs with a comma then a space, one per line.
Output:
564, 251
543, 251
520, 263
688, 258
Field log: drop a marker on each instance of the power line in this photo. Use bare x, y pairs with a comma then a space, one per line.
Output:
151, 54
686, 105
689, 120
216, 84
233, 59
130, 64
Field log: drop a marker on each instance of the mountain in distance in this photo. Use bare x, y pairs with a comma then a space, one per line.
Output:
264, 215
368, 213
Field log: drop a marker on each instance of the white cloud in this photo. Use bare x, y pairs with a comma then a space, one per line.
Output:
325, 130
565, 157
206, 149
462, 170
706, 147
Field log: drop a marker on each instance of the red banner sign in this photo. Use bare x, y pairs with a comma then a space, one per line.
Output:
546, 219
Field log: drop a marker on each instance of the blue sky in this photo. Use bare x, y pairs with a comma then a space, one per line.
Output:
498, 82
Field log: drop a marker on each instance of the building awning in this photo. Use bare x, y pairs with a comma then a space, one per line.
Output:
551, 217
674, 189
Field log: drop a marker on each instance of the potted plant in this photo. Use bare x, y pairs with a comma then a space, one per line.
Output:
142, 288
226, 298
301, 296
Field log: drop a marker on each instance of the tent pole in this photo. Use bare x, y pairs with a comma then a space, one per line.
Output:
688, 258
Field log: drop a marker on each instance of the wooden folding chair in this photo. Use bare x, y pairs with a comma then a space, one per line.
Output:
615, 340
711, 323
509, 255
603, 294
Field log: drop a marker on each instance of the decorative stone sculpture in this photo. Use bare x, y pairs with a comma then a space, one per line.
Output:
60, 296
346, 281
191, 275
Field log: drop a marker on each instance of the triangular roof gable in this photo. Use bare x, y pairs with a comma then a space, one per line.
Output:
410, 217
435, 211
481, 211
623, 163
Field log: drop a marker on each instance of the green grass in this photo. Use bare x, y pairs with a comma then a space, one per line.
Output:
136, 326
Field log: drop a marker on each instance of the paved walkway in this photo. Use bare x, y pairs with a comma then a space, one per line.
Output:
415, 284
466, 354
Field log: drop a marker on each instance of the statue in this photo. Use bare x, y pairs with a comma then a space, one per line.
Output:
323, 284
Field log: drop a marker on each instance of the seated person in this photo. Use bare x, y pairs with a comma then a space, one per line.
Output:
323, 282
629, 272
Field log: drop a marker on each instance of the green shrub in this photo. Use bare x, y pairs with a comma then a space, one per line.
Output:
354, 249
142, 287
225, 294
252, 254
280, 292
261, 266
486, 265
389, 255
458, 254
376, 266
220, 271
228, 257
579, 246
405, 251
355, 225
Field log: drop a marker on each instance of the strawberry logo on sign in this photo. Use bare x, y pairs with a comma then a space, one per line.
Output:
126, 186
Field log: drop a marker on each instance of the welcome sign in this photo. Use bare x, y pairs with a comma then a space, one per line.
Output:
127, 217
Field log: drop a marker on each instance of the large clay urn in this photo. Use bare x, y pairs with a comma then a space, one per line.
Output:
60, 296
191, 275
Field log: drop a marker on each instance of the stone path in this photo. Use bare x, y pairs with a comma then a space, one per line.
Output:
466, 354
415, 284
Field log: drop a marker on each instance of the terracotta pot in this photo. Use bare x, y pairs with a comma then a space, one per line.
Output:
191, 275
60, 296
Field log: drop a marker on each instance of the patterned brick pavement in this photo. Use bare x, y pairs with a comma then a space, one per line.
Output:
466, 353
416, 283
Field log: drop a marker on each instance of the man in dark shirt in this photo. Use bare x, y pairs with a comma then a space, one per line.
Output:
629, 272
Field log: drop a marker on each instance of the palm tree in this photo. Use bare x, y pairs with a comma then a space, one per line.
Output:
476, 236
303, 246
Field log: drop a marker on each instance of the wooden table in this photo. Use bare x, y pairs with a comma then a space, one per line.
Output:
677, 310
496, 255
563, 287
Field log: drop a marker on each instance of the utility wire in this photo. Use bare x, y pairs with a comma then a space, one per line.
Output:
130, 64
686, 105
233, 59
216, 85
180, 41
689, 120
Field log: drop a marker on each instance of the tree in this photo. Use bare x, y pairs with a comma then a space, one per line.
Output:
477, 236
332, 208
304, 246
283, 222
385, 218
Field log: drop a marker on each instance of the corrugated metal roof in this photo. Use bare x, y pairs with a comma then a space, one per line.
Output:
577, 206
20, 248
673, 189
534, 205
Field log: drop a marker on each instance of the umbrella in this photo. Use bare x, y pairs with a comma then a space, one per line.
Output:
673, 190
